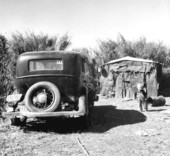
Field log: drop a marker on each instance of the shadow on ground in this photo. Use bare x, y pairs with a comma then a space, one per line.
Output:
103, 118
107, 117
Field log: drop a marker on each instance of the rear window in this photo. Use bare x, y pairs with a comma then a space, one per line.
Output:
36, 65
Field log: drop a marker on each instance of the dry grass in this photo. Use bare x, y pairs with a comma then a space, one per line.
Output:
113, 132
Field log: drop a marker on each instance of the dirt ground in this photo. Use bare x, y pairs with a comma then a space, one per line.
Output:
118, 128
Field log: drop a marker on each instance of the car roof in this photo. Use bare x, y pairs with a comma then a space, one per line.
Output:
61, 53
48, 52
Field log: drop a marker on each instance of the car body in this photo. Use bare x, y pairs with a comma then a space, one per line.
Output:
53, 84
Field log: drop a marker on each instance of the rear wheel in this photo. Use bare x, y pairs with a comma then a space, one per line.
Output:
42, 97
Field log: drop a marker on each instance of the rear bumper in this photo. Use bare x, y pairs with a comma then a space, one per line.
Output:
67, 114
44, 114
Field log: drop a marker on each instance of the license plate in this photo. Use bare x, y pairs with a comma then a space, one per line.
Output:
13, 98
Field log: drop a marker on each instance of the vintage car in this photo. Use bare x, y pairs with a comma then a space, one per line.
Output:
52, 84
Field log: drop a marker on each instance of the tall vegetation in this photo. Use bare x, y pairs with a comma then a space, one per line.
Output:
109, 50
29, 41
4, 60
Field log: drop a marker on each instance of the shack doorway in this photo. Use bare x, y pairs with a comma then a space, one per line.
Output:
126, 84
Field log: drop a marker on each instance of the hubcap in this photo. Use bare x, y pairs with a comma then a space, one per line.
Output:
42, 98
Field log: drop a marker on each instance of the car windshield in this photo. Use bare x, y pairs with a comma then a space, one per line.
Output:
36, 65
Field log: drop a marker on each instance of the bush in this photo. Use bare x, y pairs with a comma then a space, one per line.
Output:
20, 43
3, 69
158, 101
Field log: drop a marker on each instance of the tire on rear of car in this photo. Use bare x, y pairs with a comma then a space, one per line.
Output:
46, 86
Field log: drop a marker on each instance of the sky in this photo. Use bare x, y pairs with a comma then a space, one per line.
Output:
88, 21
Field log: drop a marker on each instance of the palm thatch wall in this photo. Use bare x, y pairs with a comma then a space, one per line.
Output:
124, 74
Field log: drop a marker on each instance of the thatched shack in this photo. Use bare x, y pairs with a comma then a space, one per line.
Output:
121, 76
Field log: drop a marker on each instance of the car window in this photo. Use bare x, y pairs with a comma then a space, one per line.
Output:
36, 65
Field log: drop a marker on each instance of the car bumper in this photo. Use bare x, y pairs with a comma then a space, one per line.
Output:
44, 114
67, 114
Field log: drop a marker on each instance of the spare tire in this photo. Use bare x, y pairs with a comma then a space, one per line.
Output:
42, 97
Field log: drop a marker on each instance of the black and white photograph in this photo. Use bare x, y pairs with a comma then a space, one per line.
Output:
84, 78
